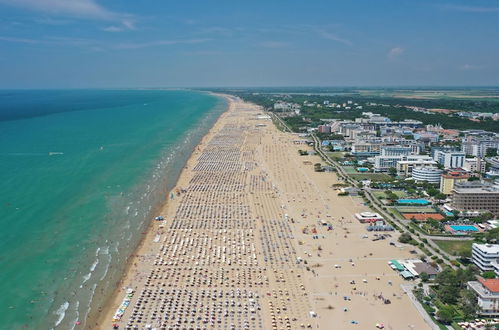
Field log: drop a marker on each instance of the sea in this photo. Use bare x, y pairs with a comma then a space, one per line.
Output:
82, 174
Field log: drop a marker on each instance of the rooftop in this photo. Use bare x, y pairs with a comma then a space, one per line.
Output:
491, 284
487, 248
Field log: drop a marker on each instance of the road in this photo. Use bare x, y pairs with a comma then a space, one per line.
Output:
378, 206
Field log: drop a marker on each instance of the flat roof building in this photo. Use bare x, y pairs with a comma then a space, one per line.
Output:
487, 291
471, 196
483, 255
448, 180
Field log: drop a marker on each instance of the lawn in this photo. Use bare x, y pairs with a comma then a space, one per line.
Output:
336, 154
399, 193
415, 209
454, 247
372, 176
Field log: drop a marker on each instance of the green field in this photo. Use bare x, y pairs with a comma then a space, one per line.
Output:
415, 209
335, 154
454, 247
399, 193
351, 170
372, 176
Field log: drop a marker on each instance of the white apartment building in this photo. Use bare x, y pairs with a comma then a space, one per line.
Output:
487, 291
428, 174
450, 159
395, 151
483, 255
383, 163
474, 165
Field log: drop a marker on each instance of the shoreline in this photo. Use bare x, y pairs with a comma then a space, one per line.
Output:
97, 318
246, 246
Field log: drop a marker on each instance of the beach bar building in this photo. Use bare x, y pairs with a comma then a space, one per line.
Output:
369, 217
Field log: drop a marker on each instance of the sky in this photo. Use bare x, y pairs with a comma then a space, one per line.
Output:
168, 43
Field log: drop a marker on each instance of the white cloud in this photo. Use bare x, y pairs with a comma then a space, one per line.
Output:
334, 37
273, 44
395, 52
113, 28
20, 40
86, 9
468, 67
137, 45
96, 45
471, 9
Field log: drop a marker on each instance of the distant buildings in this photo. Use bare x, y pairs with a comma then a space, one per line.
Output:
406, 167
324, 129
474, 165
383, 163
477, 142
448, 180
287, 107
428, 174
475, 196
449, 159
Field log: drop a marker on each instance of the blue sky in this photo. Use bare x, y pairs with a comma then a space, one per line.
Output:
153, 43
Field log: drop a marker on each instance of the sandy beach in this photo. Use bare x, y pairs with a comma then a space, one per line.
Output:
243, 245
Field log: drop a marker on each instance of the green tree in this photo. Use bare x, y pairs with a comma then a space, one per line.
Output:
468, 303
491, 152
464, 253
405, 238
492, 235
424, 277
392, 171
489, 274
445, 314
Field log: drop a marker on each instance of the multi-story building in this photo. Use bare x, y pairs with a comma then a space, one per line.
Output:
474, 165
477, 142
366, 148
428, 174
383, 163
395, 151
324, 129
450, 159
405, 167
475, 196
487, 292
483, 255
448, 180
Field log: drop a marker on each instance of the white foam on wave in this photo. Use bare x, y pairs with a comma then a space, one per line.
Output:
61, 312
106, 267
85, 279
96, 262
77, 312
105, 250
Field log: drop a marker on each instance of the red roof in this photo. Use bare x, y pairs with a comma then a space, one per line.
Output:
491, 284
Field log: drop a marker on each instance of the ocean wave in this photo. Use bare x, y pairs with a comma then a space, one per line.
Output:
96, 262
61, 313
85, 279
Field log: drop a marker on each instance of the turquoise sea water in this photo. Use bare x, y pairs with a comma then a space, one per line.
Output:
81, 172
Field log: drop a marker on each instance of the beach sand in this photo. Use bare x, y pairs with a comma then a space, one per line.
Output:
237, 249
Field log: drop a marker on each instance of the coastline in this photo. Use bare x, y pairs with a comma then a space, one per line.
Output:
100, 317
255, 233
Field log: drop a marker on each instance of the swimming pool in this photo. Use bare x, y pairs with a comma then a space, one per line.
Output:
463, 228
413, 201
